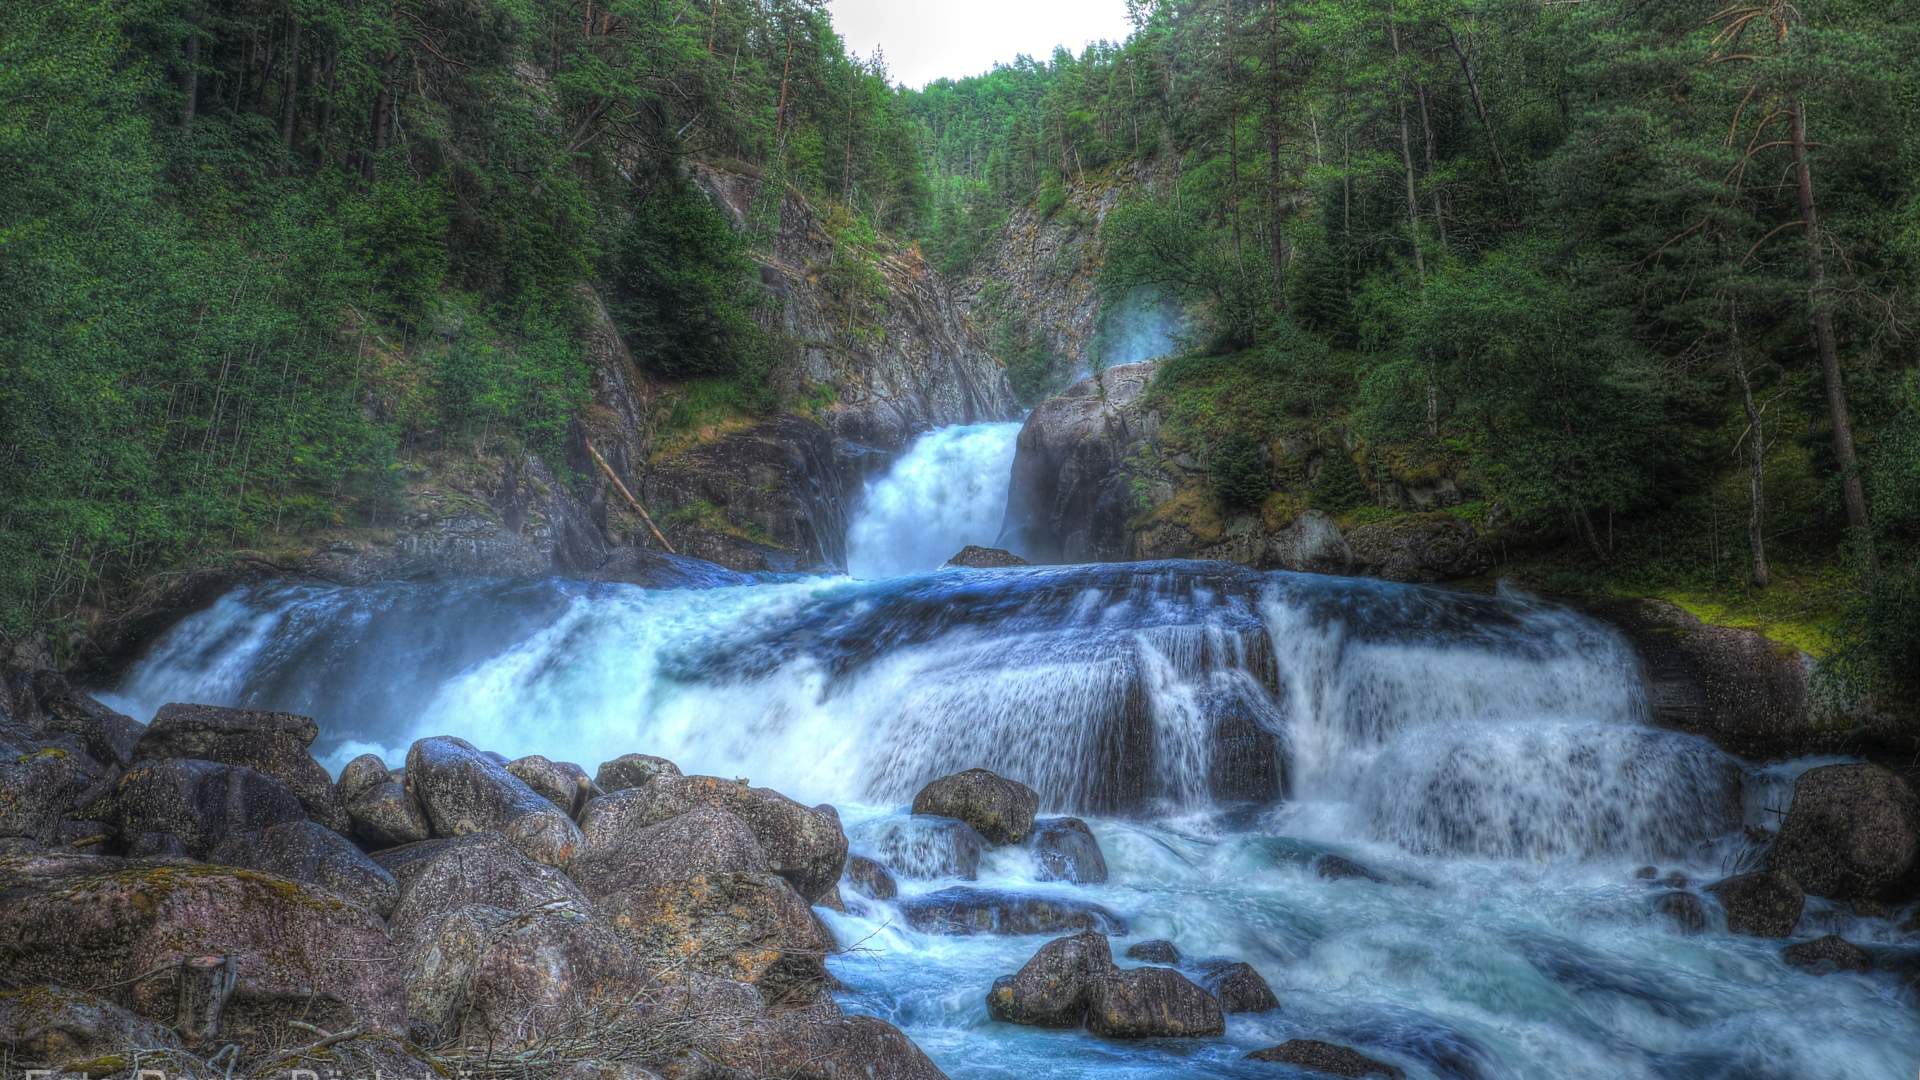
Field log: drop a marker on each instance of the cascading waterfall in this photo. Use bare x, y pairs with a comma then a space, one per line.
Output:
948, 490
1486, 758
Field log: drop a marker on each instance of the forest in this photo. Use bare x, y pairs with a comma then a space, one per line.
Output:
1645, 273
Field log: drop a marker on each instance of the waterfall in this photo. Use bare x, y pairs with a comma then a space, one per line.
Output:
1436, 721
948, 490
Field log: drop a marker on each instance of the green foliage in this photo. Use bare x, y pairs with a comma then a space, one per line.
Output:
1337, 487
1237, 472
680, 278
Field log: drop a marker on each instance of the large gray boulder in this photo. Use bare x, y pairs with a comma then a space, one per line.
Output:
870, 879
464, 791
561, 783
1065, 850
483, 869
384, 814
620, 853
131, 927
1826, 955
1237, 986
804, 845
966, 910
1327, 1058
1763, 903
273, 743
310, 852
999, 809
1053, 987
1420, 547
69, 1032
632, 771
1152, 1003
189, 807
1852, 833
924, 846
819, 1043
749, 928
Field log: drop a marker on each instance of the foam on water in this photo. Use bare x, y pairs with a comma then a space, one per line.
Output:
947, 491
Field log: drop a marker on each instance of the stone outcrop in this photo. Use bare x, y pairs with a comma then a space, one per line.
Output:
1065, 850
975, 557
1069, 500
966, 910
1852, 833
1826, 955
1052, 988
309, 852
1237, 986
1419, 548
1072, 981
1152, 1003
463, 791
1763, 904
620, 853
632, 771
273, 743
999, 809
182, 806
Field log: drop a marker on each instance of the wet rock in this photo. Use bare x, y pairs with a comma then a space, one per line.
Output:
965, 910
129, 927
803, 844
1066, 850
268, 742
632, 771
1852, 833
74, 1033
51, 790
1157, 951
1337, 868
1237, 986
477, 869
778, 481
561, 783
660, 570
618, 853
750, 928
310, 852
463, 791
1827, 955
360, 774
488, 975
1052, 989
870, 879
1152, 1003
975, 557
385, 815
1068, 500
1646, 873
199, 804
821, 1044
1420, 547
107, 736
1001, 810
1763, 903
1326, 1058
1684, 910
923, 846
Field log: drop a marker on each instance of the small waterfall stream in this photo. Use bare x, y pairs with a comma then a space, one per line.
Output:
948, 490
1486, 757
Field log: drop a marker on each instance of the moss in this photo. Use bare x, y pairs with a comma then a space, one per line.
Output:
1195, 510
151, 886
1803, 631
45, 753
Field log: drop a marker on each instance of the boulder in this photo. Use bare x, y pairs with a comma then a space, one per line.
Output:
1763, 903
1237, 986
1683, 910
360, 774
310, 852
562, 783
750, 928
822, 1044
923, 846
618, 853
273, 743
804, 845
385, 815
1852, 833
1824, 956
197, 804
1338, 868
107, 736
479, 868
1419, 548
1065, 849
1001, 810
870, 879
51, 791
464, 791
1069, 499
632, 771
488, 976
79, 1034
1053, 987
965, 910
975, 557
1152, 1003
1157, 951
132, 927
1323, 1057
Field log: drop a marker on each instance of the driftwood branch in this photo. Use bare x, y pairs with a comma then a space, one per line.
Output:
204, 984
628, 495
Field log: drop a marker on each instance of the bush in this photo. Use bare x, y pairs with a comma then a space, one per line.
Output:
681, 280
1237, 471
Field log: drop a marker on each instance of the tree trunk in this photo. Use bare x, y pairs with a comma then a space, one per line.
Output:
1406, 160
1233, 139
780, 112
1756, 458
1276, 211
1479, 105
190, 76
713, 24
290, 88
1426, 129
1843, 454
382, 106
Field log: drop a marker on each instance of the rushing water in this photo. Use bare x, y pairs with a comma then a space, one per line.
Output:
1488, 757
947, 491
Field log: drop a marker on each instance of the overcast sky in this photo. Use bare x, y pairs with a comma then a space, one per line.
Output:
927, 39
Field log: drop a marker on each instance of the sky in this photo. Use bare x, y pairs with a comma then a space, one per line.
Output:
929, 39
